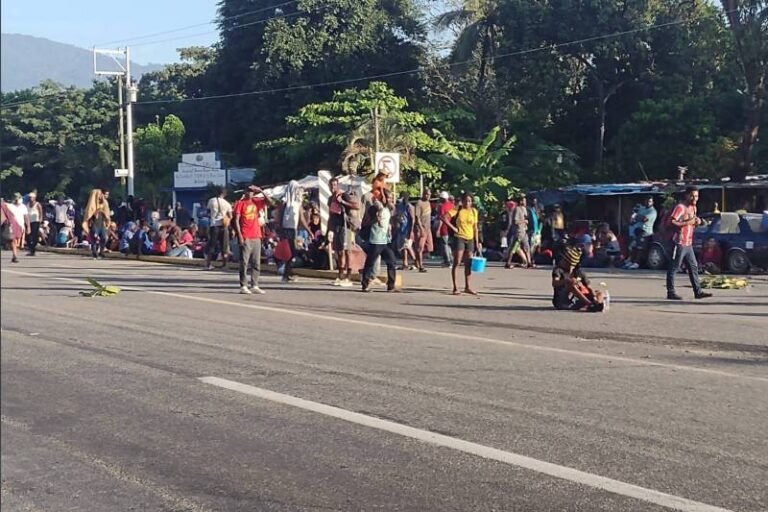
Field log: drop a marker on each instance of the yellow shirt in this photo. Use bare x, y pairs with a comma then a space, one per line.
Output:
466, 220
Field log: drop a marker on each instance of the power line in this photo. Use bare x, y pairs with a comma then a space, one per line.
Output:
181, 29
236, 27
421, 69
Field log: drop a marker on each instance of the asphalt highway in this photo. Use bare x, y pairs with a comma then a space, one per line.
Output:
179, 394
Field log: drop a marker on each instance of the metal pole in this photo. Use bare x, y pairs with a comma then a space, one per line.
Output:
121, 127
129, 120
376, 128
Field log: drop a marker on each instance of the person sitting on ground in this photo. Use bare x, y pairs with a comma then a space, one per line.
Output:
711, 257
637, 246
142, 241
571, 290
179, 243
66, 235
113, 240
160, 241
125, 240
607, 248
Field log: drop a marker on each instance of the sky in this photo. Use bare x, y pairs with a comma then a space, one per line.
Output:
88, 23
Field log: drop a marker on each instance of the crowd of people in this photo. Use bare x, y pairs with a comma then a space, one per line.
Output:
363, 231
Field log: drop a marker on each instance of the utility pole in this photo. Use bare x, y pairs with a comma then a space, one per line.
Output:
131, 91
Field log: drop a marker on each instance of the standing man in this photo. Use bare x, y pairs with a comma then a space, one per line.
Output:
422, 229
518, 233
380, 234
340, 204
641, 229
291, 218
35, 218
21, 216
249, 235
683, 221
60, 215
218, 239
444, 231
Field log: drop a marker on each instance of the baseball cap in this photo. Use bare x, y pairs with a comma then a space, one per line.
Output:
444, 195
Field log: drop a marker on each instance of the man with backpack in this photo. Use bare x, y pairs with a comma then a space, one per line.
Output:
683, 221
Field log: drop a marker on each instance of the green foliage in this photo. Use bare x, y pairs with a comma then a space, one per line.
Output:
158, 151
66, 142
476, 167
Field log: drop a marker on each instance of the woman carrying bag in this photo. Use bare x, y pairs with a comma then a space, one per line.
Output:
463, 222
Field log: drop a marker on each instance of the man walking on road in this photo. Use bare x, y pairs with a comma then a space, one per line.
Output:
446, 205
423, 229
249, 234
684, 221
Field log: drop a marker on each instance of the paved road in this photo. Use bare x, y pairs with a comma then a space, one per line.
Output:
180, 395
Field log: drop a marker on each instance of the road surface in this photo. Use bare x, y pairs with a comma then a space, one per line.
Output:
181, 395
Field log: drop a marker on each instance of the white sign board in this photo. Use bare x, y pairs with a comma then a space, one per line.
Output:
121, 173
192, 176
210, 160
388, 163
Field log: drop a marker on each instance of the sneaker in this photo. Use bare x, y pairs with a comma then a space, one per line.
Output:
367, 290
673, 296
208, 267
346, 283
337, 282
423, 270
703, 295
634, 266
14, 260
245, 290
257, 290
377, 282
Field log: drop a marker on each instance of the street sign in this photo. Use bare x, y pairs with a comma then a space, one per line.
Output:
121, 173
389, 164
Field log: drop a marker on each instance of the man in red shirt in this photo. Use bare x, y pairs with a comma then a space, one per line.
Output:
249, 235
444, 208
683, 221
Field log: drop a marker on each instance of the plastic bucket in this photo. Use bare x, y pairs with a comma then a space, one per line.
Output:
478, 264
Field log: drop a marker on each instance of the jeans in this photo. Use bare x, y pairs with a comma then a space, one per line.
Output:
180, 252
33, 236
98, 236
682, 253
290, 235
250, 259
372, 253
447, 252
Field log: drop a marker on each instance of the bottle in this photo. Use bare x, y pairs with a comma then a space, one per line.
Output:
606, 302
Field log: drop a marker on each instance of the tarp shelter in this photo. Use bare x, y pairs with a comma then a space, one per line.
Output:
358, 184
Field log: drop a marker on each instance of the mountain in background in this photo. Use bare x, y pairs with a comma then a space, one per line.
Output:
25, 61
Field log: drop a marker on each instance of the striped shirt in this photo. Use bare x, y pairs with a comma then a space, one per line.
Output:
684, 236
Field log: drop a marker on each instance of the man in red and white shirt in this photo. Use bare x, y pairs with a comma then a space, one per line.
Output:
683, 220
249, 235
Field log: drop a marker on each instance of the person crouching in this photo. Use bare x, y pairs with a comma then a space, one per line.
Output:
570, 285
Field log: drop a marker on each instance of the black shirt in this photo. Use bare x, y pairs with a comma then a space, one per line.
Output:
561, 297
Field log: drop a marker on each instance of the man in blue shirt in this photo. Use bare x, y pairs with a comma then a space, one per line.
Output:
640, 230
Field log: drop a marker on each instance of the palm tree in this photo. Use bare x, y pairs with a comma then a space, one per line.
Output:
393, 137
478, 24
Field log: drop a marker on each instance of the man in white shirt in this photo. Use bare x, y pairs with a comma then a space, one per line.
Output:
21, 215
60, 209
218, 234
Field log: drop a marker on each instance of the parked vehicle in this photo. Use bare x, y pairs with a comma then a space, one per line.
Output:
743, 240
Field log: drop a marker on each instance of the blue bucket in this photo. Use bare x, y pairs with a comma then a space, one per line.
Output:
478, 264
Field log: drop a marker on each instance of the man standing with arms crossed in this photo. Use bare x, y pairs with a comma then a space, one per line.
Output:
684, 221
249, 234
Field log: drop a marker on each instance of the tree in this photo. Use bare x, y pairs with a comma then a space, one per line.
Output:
478, 24
341, 133
158, 151
64, 140
477, 168
748, 20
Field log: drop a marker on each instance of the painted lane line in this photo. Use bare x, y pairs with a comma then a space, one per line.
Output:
539, 466
417, 330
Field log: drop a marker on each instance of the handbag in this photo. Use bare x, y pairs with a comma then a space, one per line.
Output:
283, 250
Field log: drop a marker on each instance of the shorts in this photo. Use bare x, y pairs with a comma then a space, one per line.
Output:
460, 244
343, 237
424, 242
218, 240
535, 239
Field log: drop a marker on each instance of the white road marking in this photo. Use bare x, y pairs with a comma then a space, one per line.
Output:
486, 452
418, 330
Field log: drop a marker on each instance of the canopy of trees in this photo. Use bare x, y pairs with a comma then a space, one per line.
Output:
526, 95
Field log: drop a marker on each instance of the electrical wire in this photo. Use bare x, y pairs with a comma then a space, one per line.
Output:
421, 69
181, 29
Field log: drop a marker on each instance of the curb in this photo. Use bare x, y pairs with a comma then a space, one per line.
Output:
197, 262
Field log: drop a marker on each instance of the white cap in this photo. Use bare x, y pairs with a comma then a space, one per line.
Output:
444, 195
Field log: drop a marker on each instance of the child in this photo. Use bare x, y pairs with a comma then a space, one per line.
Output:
570, 285
711, 257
